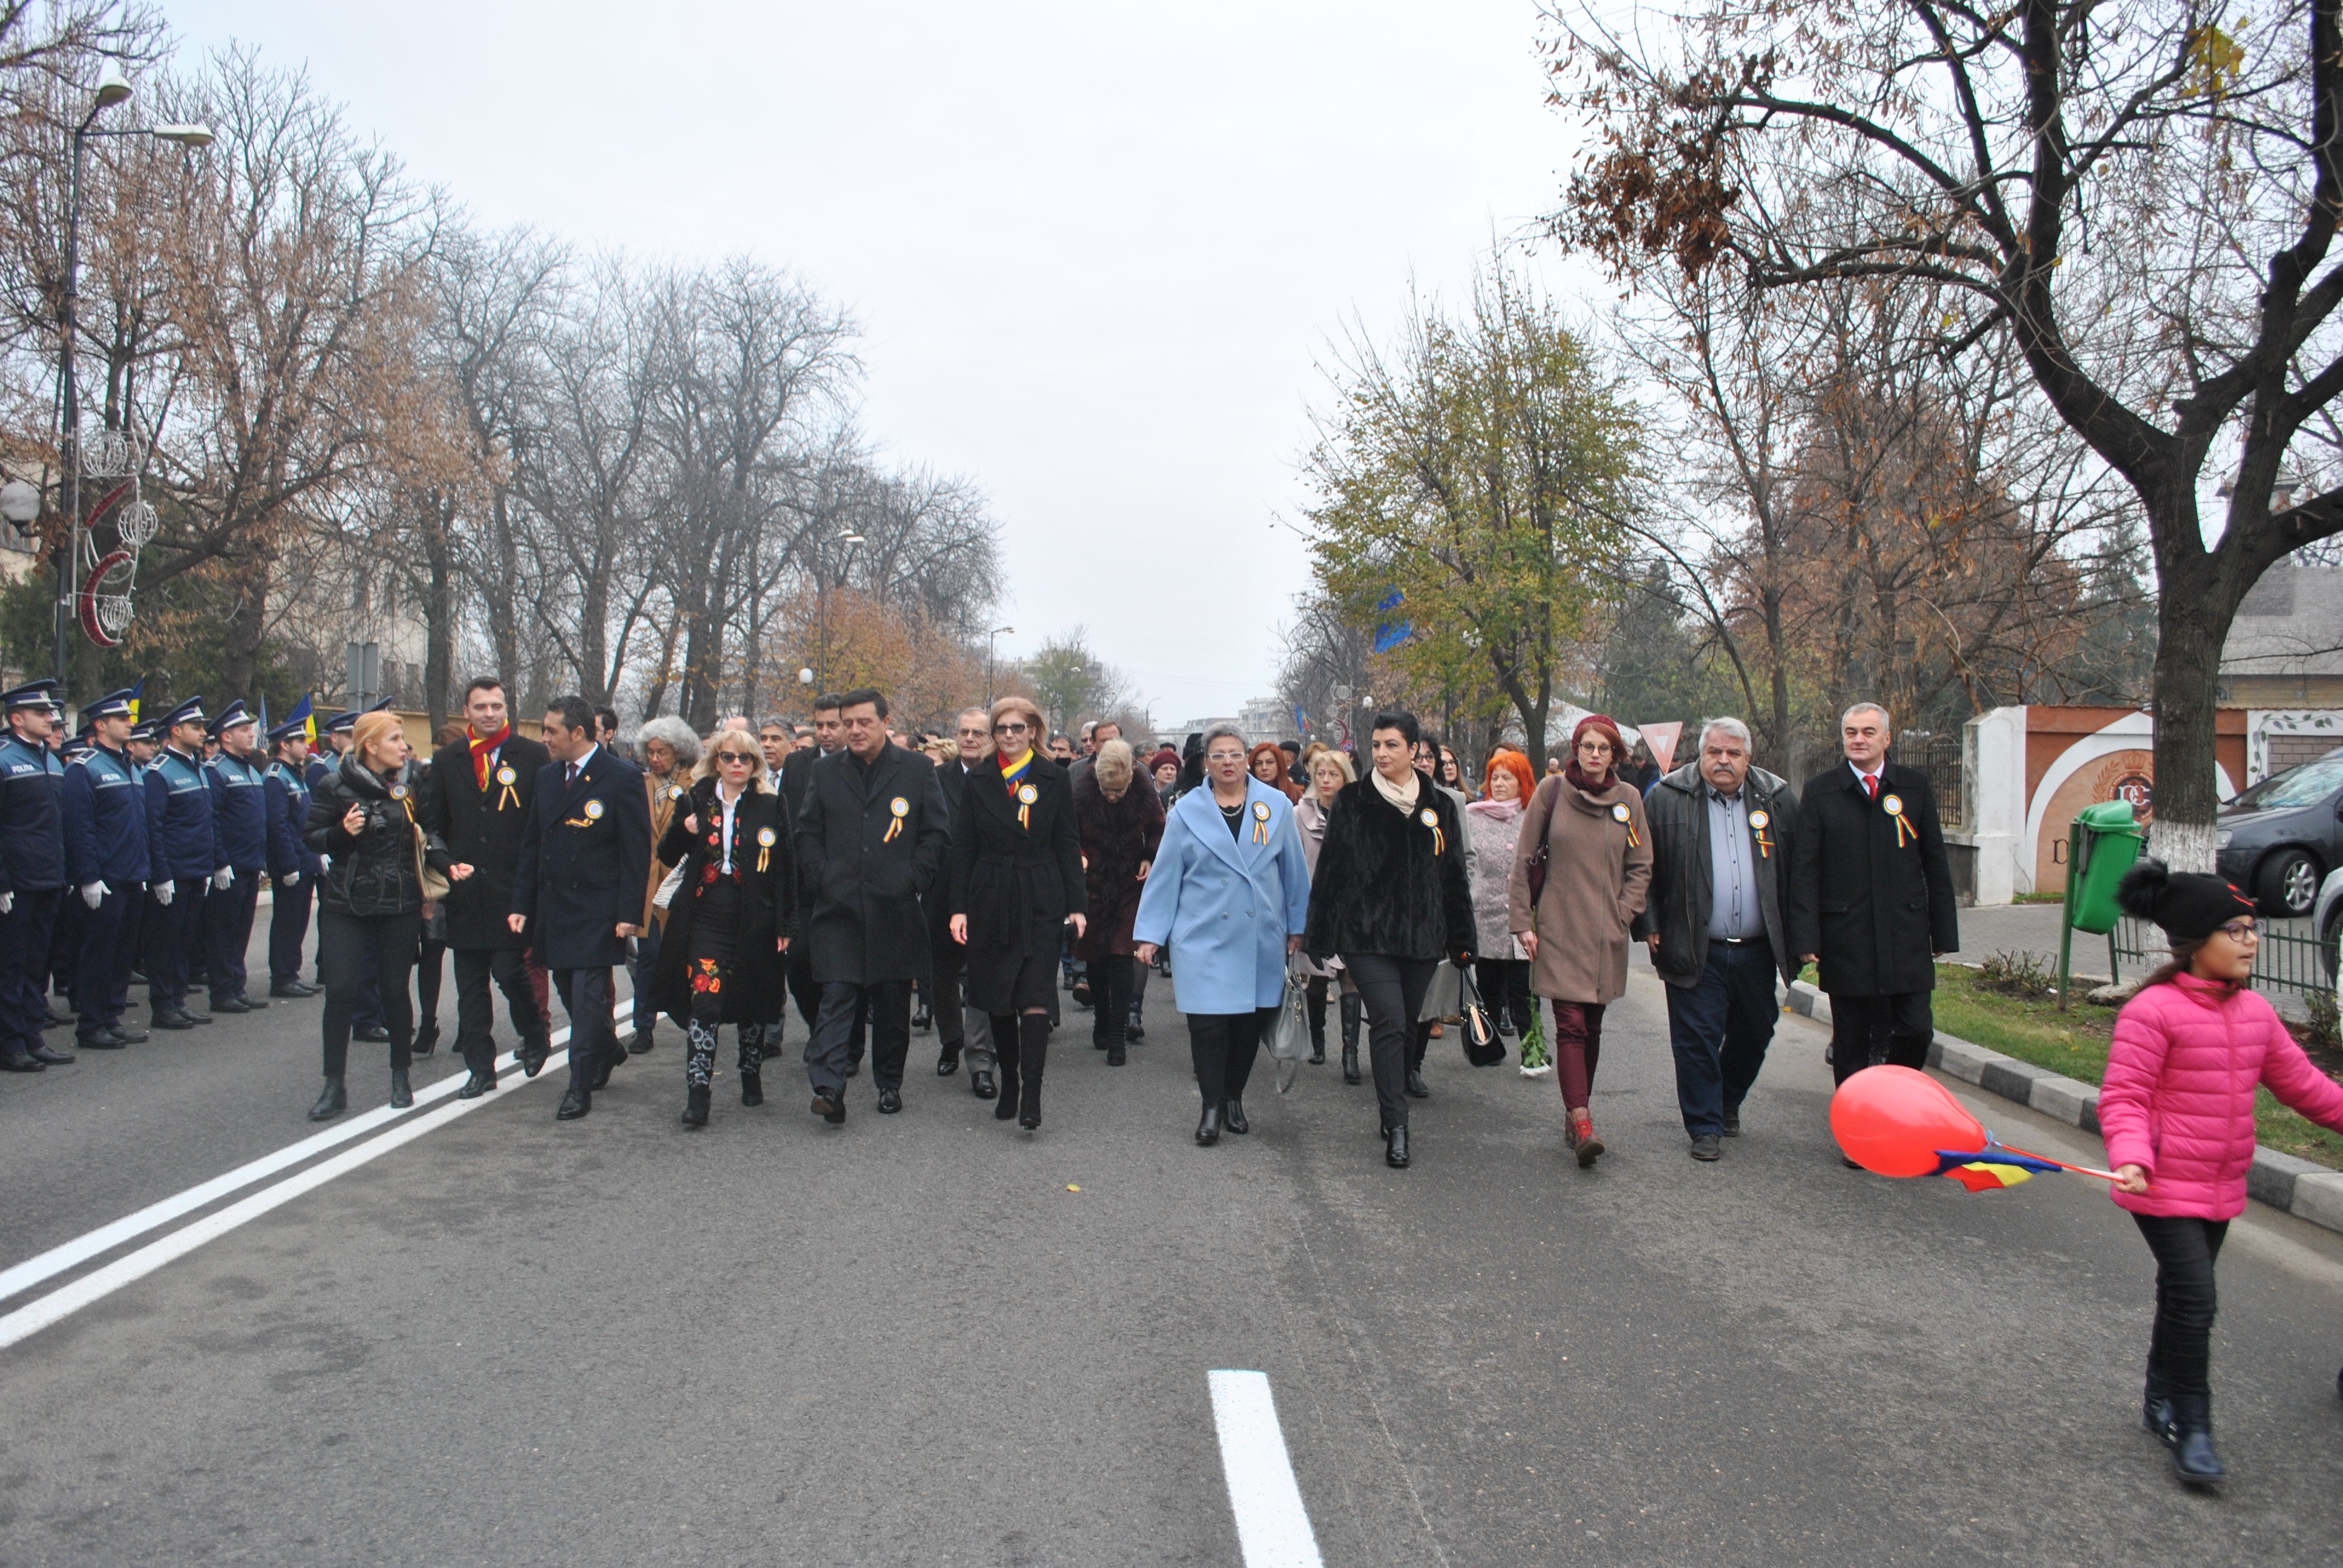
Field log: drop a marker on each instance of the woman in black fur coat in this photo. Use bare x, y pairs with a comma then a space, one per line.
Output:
1391, 900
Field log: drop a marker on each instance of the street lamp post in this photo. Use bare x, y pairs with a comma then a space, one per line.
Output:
113, 89
996, 631
821, 605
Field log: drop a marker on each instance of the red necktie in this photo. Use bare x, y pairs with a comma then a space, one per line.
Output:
1871, 785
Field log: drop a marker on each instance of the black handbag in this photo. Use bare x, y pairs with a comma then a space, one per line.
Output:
1482, 1046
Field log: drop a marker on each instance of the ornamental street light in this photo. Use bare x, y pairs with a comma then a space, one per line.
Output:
113, 89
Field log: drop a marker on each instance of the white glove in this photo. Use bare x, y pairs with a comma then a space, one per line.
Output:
292, 878
222, 877
163, 891
94, 893
7, 902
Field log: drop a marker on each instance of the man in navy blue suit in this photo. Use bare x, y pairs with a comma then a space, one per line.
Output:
584, 858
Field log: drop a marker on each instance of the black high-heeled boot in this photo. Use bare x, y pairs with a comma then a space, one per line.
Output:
1351, 1008
1032, 1055
1004, 1046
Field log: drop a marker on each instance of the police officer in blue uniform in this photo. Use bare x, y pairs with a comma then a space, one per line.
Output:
105, 863
32, 874
183, 851
239, 795
65, 947
293, 866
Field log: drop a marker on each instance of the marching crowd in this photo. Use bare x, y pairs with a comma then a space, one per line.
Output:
853, 873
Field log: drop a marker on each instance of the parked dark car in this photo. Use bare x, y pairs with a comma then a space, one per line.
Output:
2279, 839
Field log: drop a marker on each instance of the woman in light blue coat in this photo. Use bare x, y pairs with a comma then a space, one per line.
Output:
1230, 893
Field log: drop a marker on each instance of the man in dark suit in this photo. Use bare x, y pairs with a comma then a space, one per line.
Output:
962, 1031
479, 799
871, 841
797, 770
1871, 897
584, 856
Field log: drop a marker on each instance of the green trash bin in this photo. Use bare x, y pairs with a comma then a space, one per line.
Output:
2102, 844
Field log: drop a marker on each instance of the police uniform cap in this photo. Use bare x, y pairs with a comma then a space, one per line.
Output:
33, 694
191, 711
234, 714
113, 705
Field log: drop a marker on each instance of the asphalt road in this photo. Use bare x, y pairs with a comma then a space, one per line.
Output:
908, 1340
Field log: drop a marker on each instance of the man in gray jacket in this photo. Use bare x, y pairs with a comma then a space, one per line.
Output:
1720, 844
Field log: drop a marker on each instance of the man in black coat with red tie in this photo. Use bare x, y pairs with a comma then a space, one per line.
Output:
1871, 897
577, 890
478, 798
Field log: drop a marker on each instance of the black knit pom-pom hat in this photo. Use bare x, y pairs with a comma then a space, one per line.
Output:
2188, 905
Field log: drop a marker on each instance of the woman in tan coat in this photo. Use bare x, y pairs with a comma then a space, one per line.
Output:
1598, 869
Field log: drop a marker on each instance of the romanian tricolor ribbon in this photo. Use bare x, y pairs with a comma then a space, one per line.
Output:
1905, 833
506, 776
901, 808
1758, 822
1024, 794
1431, 818
1260, 821
764, 847
1626, 818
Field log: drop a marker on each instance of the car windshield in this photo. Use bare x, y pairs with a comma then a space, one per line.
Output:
2304, 786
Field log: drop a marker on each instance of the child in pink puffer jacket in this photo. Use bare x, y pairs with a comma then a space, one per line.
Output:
2178, 1112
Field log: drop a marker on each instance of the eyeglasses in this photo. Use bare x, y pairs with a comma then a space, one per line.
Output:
976, 734
2242, 931
1011, 729
1224, 757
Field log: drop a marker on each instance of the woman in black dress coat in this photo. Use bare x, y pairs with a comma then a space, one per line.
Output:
720, 959
1016, 869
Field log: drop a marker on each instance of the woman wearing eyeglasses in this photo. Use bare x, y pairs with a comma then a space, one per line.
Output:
720, 959
1016, 869
2177, 1108
1230, 893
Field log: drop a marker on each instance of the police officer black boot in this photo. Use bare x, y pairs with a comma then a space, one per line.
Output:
331, 1102
1350, 1005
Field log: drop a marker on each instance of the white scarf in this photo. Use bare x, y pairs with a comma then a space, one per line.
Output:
1403, 798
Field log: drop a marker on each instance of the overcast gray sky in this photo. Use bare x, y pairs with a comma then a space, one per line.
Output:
1097, 249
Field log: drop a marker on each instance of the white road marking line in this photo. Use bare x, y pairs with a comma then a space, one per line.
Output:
1273, 1527
95, 1286
106, 1238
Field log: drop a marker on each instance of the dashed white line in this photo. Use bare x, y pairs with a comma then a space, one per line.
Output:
1273, 1527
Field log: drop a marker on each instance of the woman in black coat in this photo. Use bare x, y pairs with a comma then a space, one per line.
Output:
370, 897
1118, 818
720, 959
1391, 899
1016, 869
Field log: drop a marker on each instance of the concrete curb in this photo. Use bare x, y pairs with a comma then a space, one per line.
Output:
2302, 1188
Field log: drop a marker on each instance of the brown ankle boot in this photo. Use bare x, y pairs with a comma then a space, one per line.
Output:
1584, 1138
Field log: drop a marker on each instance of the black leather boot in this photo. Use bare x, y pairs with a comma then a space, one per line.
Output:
752, 1065
1208, 1131
2193, 1459
2155, 1411
695, 1106
1004, 1046
1396, 1148
402, 1093
752, 1085
331, 1102
1032, 1055
1350, 1008
1318, 1033
1232, 1116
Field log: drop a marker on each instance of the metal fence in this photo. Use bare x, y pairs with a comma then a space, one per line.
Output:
2290, 958
1939, 757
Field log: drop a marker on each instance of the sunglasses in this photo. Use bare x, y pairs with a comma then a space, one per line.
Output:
1011, 729
746, 758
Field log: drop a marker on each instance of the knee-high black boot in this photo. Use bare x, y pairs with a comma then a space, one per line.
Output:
1032, 1053
752, 1064
1317, 993
1350, 1010
1005, 1053
698, 1067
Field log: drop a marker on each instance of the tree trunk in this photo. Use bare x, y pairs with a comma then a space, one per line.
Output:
504, 627
240, 638
2192, 623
